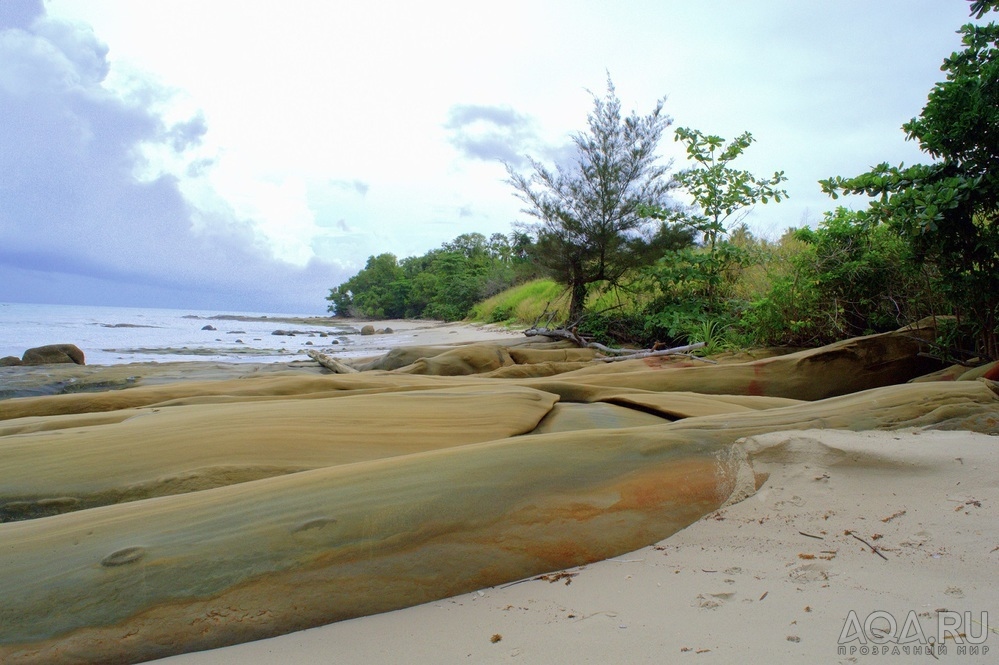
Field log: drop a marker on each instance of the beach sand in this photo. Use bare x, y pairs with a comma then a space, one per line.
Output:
218, 504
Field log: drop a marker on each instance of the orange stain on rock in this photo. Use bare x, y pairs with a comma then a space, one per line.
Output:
685, 482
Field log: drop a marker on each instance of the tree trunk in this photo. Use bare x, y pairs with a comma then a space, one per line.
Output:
578, 300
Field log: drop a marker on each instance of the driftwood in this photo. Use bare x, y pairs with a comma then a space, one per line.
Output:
559, 333
571, 335
331, 363
675, 351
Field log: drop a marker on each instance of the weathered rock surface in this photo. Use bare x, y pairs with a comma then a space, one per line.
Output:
188, 515
52, 354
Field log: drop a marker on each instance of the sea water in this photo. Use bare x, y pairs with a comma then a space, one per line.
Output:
113, 335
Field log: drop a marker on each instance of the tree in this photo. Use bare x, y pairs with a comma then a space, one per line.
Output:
379, 290
722, 197
444, 283
590, 229
949, 209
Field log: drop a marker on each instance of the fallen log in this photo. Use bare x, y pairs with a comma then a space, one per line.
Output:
675, 351
331, 363
558, 333
571, 335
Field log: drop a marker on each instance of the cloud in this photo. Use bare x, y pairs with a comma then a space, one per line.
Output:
20, 13
490, 133
357, 186
84, 210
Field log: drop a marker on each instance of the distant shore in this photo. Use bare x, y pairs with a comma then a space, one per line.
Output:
25, 381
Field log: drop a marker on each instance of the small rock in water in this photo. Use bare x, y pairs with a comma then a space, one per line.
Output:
209, 327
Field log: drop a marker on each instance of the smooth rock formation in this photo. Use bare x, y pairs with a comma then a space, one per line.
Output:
52, 354
182, 516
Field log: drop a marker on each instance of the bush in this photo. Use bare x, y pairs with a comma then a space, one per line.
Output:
844, 279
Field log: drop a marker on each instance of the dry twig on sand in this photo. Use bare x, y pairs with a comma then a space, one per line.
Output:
873, 548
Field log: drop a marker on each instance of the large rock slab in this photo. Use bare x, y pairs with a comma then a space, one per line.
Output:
138, 580
54, 465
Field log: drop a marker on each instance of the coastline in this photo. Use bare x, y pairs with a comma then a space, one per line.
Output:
27, 380
773, 563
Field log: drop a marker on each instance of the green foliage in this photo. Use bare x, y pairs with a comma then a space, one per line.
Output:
980, 7
722, 196
379, 290
791, 312
715, 336
442, 284
949, 209
847, 278
524, 303
612, 327
589, 227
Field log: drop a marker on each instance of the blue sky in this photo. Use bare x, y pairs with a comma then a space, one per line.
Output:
244, 155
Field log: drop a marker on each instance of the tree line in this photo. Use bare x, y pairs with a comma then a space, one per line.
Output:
636, 265
442, 284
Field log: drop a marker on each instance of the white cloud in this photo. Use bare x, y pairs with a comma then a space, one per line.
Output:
89, 206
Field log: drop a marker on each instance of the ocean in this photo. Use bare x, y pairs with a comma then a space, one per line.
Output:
115, 335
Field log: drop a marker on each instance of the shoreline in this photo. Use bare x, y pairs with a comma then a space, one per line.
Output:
36, 380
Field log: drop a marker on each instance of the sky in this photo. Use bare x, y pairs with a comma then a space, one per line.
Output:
243, 155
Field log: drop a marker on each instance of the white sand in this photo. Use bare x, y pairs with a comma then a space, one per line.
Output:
744, 583
415, 332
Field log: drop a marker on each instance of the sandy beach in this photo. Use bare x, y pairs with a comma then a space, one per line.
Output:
483, 497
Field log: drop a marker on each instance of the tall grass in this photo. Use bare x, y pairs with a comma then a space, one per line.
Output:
524, 304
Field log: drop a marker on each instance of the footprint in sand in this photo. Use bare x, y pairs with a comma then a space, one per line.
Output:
810, 572
712, 601
795, 502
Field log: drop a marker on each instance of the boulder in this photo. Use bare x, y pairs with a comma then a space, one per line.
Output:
53, 353
209, 327
368, 330
9, 361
